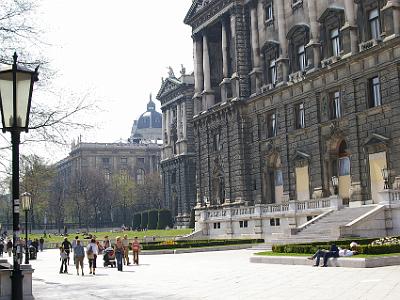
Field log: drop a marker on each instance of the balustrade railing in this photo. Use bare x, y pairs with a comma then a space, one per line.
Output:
276, 208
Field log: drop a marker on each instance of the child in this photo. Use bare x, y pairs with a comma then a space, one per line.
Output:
63, 258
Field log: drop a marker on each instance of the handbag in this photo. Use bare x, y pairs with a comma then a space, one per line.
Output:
90, 253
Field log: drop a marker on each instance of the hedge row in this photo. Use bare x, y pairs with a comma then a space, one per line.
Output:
197, 243
364, 247
152, 219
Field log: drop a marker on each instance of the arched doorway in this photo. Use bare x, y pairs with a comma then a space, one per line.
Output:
343, 172
272, 183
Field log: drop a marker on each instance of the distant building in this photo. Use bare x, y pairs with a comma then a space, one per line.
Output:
147, 129
178, 163
136, 160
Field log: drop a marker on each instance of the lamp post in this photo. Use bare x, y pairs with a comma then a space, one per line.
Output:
16, 85
335, 183
26, 201
385, 175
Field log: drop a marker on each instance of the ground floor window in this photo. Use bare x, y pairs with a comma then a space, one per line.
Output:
275, 222
217, 225
243, 224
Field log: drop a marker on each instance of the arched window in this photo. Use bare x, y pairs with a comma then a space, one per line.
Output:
298, 36
331, 20
270, 52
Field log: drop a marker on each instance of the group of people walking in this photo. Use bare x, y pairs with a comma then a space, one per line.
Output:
6, 245
93, 249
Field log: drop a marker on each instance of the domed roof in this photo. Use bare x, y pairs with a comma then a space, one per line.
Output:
151, 118
149, 124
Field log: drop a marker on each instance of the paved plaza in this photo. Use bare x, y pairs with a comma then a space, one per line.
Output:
212, 275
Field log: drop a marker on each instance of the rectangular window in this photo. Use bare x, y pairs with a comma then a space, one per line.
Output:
269, 12
335, 42
140, 160
275, 222
374, 26
243, 224
301, 58
271, 123
272, 71
335, 105
124, 160
278, 178
106, 160
375, 92
344, 166
300, 115
217, 142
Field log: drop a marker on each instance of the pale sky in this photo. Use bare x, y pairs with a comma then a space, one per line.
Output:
118, 51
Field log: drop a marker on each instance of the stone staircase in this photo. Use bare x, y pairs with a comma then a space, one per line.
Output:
327, 227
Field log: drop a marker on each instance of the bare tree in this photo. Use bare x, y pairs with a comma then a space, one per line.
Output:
48, 123
36, 178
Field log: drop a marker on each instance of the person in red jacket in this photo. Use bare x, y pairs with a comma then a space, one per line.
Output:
136, 250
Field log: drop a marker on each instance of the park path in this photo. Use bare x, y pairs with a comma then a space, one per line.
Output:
212, 275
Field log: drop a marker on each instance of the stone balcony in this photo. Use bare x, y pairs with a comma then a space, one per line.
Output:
290, 208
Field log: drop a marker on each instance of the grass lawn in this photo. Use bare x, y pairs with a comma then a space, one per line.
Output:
306, 255
112, 235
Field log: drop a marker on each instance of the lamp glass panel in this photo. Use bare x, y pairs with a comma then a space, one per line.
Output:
6, 96
23, 89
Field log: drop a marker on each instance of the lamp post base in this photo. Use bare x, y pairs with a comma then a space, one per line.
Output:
16, 285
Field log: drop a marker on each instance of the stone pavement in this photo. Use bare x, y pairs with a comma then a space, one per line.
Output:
212, 275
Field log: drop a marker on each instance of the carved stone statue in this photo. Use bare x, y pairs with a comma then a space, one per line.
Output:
183, 70
171, 72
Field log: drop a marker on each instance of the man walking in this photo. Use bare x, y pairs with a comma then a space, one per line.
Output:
125, 242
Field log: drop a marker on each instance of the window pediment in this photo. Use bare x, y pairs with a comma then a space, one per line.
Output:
331, 12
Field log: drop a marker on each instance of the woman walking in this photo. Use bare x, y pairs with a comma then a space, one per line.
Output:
63, 259
119, 252
79, 255
92, 251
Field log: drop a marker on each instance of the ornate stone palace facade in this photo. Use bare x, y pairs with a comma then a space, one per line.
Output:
288, 96
134, 160
178, 162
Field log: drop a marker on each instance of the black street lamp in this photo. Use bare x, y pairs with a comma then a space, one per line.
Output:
335, 183
26, 201
16, 85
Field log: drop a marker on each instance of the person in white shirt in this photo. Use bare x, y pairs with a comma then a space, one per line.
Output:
92, 251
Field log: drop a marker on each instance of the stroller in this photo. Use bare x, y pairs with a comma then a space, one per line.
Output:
109, 257
32, 252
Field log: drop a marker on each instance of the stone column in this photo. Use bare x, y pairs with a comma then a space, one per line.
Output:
183, 145
167, 125
282, 61
314, 44
235, 77
178, 121
255, 74
198, 74
349, 30
208, 93
184, 121
226, 81
164, 116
